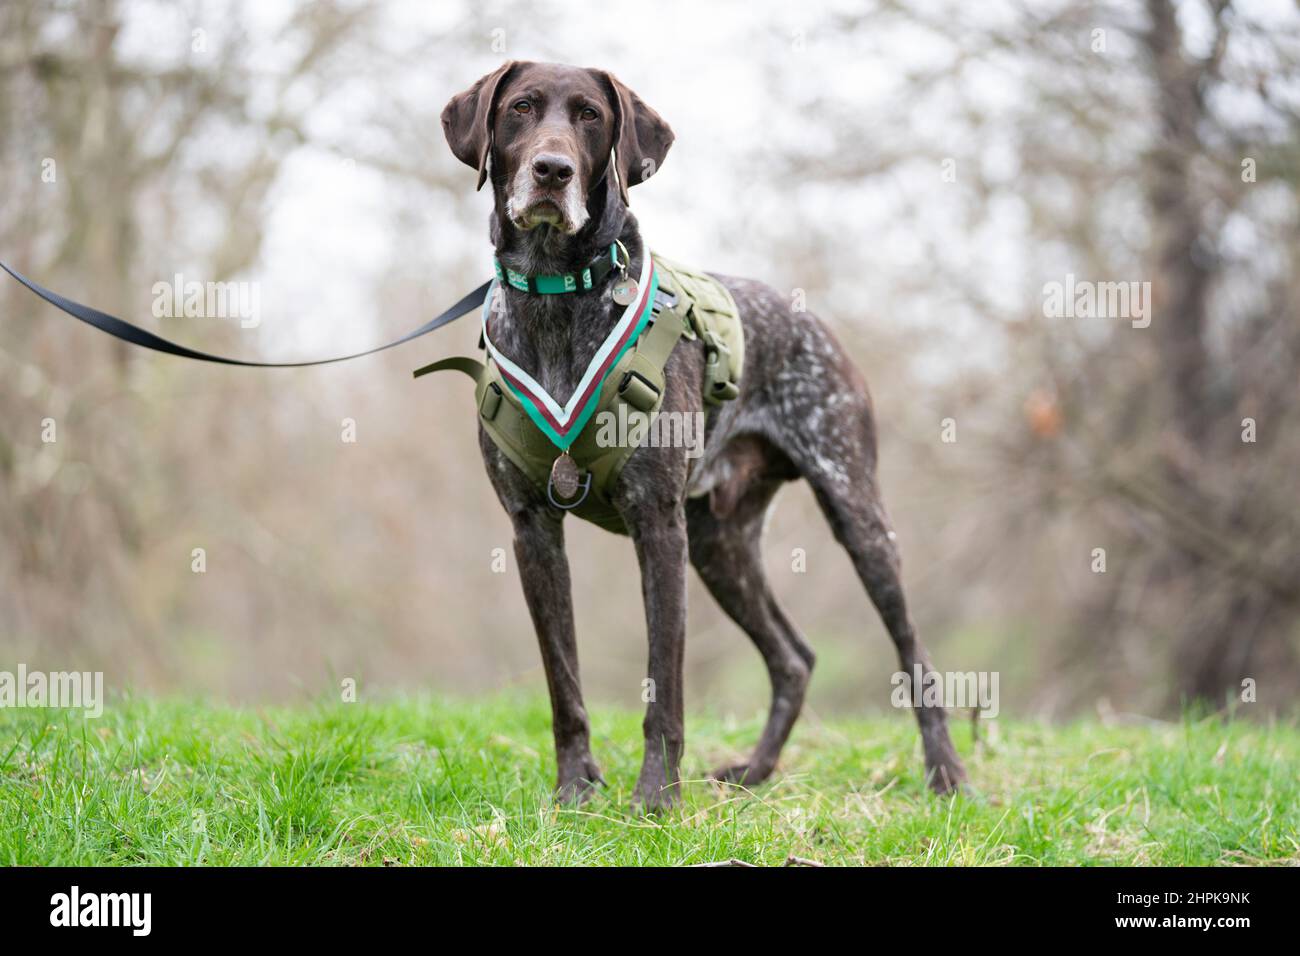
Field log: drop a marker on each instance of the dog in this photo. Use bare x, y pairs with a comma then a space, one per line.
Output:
561, 147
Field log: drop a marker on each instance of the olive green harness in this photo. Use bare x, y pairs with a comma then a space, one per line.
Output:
681, 303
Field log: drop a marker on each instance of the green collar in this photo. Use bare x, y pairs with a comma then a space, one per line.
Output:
564, 282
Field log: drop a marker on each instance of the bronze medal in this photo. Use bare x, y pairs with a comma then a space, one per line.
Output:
564, 477
625, 291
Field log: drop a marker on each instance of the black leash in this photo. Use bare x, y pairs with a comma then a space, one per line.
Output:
127, 332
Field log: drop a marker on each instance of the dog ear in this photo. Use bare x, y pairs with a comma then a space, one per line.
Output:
641, 137
467, 120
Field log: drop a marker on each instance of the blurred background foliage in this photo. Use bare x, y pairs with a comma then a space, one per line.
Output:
919, 170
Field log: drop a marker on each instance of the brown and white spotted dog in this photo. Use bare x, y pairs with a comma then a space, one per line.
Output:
544, 134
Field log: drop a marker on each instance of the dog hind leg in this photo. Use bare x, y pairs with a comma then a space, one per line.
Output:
860, 524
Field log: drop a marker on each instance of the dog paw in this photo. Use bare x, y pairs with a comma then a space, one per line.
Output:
575, 792
742, 774
578, 784
946, 777
654, 797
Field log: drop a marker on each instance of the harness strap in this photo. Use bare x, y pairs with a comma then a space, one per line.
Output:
458, 363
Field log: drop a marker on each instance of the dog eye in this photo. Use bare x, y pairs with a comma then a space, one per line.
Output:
523, 107
589, 114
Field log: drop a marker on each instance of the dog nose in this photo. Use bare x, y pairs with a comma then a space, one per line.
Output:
551, 169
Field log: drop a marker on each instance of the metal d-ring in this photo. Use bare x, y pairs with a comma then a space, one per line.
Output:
563, 507
627, 259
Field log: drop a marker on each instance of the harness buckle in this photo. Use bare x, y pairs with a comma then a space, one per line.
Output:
718, 386
638, 391
491, 403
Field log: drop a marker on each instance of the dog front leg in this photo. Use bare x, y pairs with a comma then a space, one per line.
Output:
544, 570
661, 551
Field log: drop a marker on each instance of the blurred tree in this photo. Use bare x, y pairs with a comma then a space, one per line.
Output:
106, 148
973, 153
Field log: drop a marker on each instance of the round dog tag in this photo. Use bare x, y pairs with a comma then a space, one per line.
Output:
564, 477
625, 291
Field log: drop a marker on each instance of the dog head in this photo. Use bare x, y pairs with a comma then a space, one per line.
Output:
551, 134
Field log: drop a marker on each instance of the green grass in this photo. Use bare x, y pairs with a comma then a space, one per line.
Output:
423, 781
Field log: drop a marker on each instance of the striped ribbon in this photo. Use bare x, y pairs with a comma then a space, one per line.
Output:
563, 423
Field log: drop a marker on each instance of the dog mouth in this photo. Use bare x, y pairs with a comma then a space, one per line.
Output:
542, 212
528, 206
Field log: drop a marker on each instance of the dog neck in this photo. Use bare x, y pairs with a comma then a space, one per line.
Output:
545, 250
554, 337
